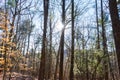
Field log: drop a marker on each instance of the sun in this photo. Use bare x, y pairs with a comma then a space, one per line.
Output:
59, 25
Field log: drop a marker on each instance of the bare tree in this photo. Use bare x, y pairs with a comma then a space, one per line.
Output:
62, 43
116, 27
72, 43
43, 52
105, 50
98, 37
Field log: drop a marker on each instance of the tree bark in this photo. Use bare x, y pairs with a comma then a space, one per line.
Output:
62, 43
98, 37
61, 57
50, 52
43, 52
104, 43
72, 43
116, 27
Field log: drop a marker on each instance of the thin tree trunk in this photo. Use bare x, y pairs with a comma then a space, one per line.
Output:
105, 50
72, 44
50, 52
57, 64
87, 71
98, 37
28, 43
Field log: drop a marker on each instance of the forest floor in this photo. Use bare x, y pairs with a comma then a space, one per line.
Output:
18, 76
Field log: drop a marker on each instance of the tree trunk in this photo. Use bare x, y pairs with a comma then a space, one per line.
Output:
57, 64
61, 57
43, 52
62, 43
116, 27
72, 44
98, 37
105, 50
50, 52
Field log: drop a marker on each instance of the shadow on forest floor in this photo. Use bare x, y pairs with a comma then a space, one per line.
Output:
17, 76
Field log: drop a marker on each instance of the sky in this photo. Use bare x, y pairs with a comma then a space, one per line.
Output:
58, 25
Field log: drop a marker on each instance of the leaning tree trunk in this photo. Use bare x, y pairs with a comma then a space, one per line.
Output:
43, 52
116, 27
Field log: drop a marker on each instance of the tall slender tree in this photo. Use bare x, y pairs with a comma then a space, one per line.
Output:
43, 52
72, 43
50, 50
105, 50
62, 43
116, 27
98, 37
